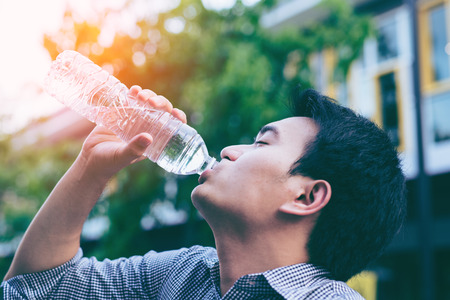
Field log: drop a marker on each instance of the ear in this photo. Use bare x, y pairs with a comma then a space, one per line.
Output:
311, 199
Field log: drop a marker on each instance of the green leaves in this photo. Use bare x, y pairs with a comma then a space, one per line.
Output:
26, 178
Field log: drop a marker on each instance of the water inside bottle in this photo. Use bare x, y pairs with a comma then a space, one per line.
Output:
182, 156
176, 147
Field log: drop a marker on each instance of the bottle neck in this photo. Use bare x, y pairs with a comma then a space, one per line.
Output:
209, 163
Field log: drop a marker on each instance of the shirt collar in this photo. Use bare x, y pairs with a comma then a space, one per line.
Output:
213, 265
280, 279
295, 276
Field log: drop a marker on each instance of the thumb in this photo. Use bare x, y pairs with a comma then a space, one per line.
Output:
137, 145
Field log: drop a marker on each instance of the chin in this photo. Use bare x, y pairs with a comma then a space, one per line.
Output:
199, 201
198, 195
203, 198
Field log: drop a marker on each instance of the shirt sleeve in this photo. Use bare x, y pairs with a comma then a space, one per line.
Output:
137, 277
37, 285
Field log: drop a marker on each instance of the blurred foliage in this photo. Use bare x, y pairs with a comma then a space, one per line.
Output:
227, 72
26, 178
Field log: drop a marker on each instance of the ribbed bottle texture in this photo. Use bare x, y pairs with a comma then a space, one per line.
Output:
84, 87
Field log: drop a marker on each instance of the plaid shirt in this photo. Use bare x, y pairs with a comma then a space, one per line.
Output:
183, 274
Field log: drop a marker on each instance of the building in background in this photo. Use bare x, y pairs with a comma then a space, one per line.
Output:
64, 125
402, 82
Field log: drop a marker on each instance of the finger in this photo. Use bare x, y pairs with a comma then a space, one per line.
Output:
161, 103
156, 101
179, 114
134, 90
145, 95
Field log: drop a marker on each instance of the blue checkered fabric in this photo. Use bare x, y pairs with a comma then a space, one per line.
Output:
188, 273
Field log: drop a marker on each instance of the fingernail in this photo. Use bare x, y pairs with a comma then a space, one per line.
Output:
143, 142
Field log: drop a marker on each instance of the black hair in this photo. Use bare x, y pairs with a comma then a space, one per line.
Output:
367, 205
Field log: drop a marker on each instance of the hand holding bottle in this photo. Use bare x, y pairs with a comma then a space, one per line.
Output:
83, 86
105, 154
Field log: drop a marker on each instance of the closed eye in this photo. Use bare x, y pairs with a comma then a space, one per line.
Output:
258, 143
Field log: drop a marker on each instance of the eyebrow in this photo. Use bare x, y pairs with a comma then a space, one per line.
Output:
271, 128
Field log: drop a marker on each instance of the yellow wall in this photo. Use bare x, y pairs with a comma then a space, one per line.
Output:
365, 283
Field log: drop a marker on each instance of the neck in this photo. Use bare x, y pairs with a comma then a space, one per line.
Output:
255, 252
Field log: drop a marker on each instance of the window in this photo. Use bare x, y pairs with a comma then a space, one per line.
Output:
326, 79
389, 108
434, 43
341, 92
319, 71
440, 51
322, 65
387, 41
440, 108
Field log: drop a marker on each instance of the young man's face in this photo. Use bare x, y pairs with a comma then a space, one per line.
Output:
252, 181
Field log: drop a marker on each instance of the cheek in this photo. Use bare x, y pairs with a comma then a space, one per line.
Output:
257, 180
266, 170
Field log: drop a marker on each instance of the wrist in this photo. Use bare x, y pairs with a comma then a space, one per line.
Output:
85, 170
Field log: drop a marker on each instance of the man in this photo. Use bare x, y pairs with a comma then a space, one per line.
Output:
309, 204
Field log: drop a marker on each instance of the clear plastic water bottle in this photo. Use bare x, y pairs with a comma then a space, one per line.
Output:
84, 87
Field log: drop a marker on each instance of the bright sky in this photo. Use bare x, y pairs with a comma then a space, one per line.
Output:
24, 62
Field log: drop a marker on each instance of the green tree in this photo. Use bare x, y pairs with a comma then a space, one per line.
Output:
26, 178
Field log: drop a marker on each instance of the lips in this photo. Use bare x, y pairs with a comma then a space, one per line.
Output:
204, 176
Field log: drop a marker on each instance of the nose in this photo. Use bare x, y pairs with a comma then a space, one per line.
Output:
232, 152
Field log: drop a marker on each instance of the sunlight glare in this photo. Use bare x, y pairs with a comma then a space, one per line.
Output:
218, 5
175, 25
